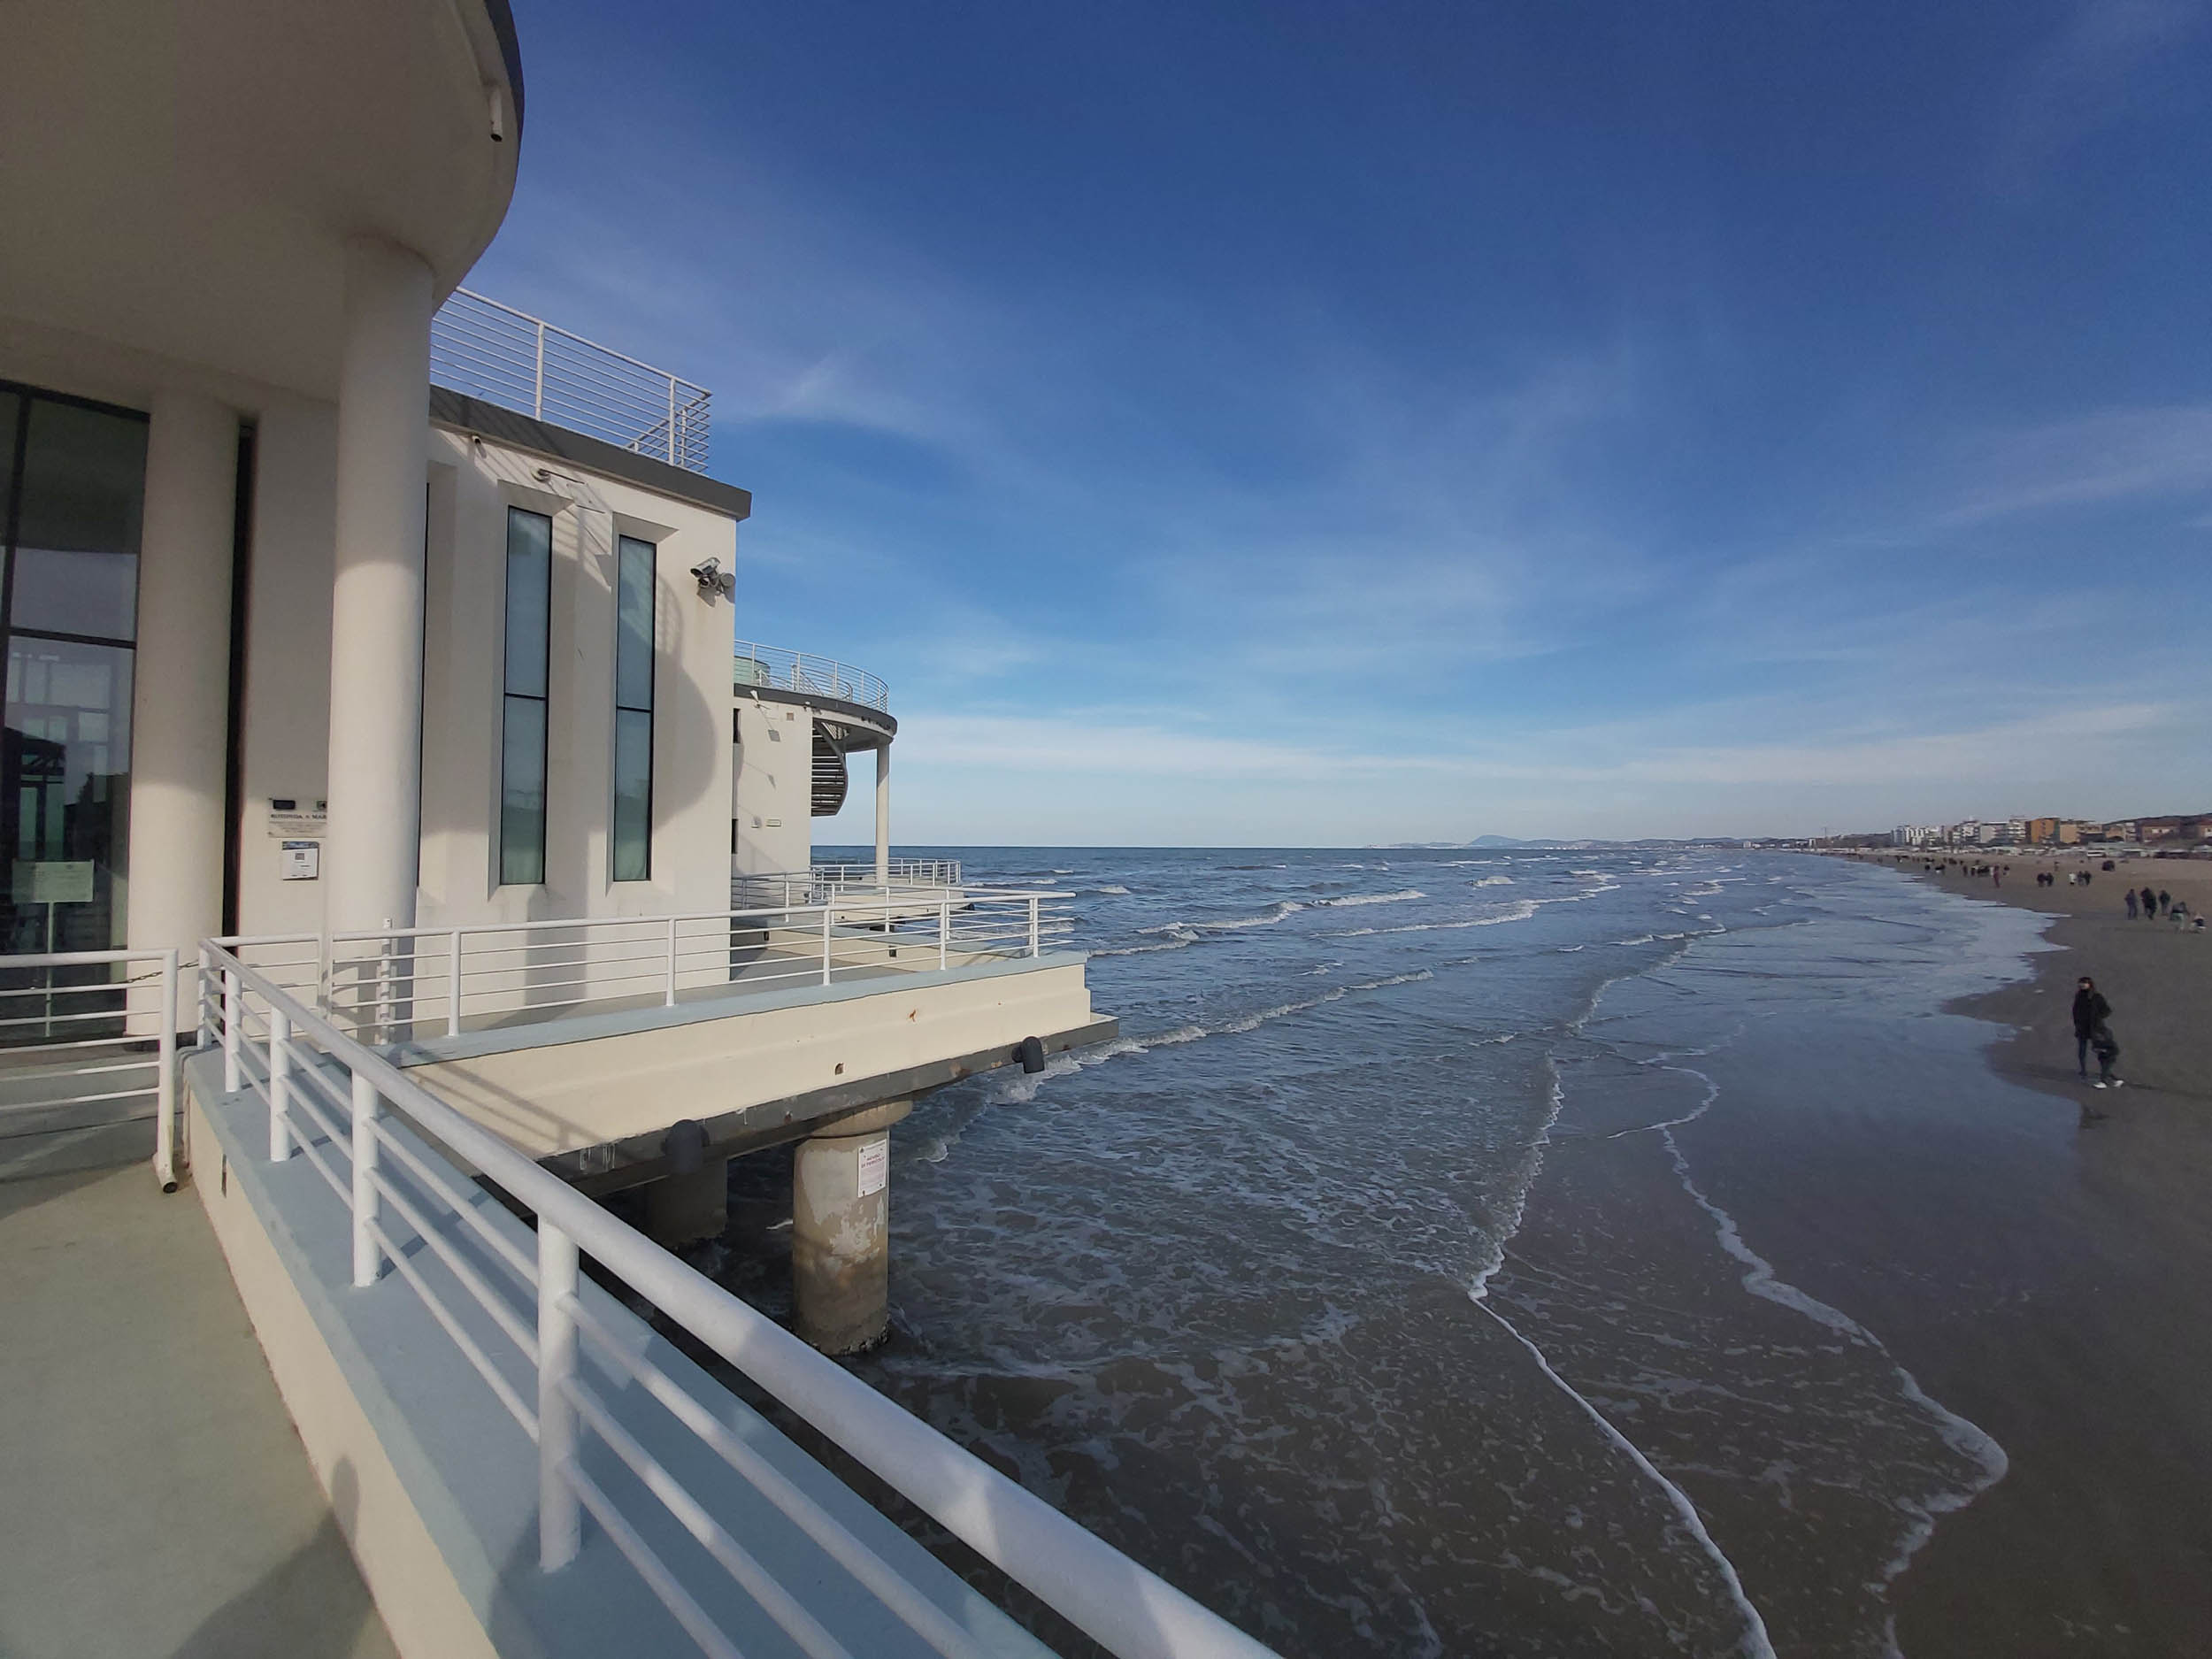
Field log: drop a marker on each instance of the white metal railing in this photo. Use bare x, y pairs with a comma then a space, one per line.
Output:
388, 985
906, 872
778, 670
89, 1038
338, 1105
524, 363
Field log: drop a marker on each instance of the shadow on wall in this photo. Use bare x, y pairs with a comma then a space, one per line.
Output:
691, 727
311, 1605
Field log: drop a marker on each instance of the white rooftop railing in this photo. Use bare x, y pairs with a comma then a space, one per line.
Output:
778, 670
335, 1104
524, 363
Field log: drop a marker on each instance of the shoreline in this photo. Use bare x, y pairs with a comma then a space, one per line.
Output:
2157, 977
2062, 1275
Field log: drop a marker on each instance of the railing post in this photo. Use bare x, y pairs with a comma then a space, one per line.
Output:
367, 1263
1034, 938
165, 1077
560, 1517
383, 1031
537, 382
826, 940
233, 1027
671, 962
453, 983
206, 1034
671, 422
944, 931
279, 1085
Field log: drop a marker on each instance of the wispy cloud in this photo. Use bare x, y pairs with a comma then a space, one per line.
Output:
2082, 79
2110, 456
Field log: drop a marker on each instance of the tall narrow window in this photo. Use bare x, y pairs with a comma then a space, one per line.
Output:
523, 716
632, 838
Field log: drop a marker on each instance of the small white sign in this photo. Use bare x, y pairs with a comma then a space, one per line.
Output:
53, 883
875, 1167
303, 861
290, 821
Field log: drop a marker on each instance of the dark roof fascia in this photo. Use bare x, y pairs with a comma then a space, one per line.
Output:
463, 413
502, 20
828, 708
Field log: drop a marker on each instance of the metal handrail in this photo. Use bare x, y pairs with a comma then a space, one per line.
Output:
1129, 1610
394, 981
780, 669
485, 349
911, 873
61, 1062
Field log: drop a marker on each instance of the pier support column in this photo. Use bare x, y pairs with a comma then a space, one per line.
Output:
883, 813
683, 1209
840, 1229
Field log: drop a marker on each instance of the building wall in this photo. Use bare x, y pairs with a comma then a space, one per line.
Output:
773, 788
285, 715
472, 484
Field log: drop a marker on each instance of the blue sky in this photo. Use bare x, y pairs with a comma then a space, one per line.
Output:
1336, 424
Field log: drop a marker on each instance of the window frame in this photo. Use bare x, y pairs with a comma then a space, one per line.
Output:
651, 551
508, 697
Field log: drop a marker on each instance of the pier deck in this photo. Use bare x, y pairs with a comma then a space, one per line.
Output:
160, 1502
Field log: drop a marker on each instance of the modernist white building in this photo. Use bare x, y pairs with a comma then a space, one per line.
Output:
380, 754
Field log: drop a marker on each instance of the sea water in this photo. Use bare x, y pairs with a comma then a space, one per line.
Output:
1369, 1286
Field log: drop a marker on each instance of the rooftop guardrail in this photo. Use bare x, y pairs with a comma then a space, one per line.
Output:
485, 350
778, 670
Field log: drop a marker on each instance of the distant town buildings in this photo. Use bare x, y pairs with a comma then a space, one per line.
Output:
2178, 832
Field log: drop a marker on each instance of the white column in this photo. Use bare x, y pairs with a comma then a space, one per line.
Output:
376, 599
181, 700
883, 813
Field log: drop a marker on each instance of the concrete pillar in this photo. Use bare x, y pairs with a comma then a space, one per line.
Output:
840, 1230
181, 700
683, 1209
883, 813
375, 789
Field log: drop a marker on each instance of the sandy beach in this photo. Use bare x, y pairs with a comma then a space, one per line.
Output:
2062, 1307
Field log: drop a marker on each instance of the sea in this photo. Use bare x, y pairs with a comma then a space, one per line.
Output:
1377, 1285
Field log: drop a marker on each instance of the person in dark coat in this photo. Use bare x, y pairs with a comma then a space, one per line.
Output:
2150, 904
2165, 900
2091, 1011
2132, 906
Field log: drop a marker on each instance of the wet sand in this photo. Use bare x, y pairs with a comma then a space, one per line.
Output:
2059, 1303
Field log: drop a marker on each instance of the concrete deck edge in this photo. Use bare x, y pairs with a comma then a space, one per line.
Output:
588, 1028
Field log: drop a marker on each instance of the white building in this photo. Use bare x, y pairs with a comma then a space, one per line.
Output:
374, 707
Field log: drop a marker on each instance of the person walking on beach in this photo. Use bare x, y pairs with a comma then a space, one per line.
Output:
2132, 906
2165, 900
2091, 1011
2150, 905
2093, 1034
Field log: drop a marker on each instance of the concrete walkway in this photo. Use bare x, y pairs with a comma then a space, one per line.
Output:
159, 1503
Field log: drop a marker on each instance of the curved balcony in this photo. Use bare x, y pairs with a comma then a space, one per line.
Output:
772, 668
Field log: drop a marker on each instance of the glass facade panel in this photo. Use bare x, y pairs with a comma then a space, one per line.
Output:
522, 792
72, 488
633, 819
64, 592
523, 715
529, 600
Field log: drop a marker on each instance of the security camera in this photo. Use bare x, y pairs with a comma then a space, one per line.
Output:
713, 580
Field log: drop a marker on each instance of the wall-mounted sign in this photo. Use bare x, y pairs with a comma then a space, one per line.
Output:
53, 883
300, 861
293, 820
875, 1168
